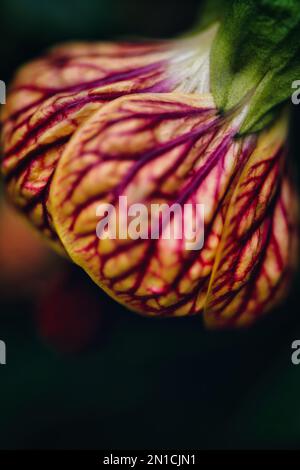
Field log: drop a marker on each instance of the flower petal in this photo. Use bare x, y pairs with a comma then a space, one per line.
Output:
154, 148
258, 247
51, 97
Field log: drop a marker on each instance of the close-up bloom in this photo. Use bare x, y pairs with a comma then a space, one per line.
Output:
52, 96
182, 121
149, 231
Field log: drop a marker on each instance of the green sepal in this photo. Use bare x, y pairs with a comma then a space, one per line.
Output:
255, 58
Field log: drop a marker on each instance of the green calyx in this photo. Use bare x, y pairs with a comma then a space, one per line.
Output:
255, 56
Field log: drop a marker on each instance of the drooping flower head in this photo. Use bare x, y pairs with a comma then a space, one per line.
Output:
173, 123
52, 96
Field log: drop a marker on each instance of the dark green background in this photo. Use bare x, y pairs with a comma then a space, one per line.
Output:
149, 383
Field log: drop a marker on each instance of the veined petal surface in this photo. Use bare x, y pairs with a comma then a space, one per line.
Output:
52, 96
151, 148
258, 249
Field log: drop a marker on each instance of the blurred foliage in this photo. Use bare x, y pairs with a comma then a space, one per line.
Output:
147, 383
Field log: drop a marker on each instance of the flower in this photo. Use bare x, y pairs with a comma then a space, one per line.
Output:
176, 148
52, 96
158, 123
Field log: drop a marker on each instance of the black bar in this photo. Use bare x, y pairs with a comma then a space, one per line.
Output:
86, 459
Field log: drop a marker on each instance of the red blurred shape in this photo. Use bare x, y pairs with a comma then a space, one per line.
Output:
69, 316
